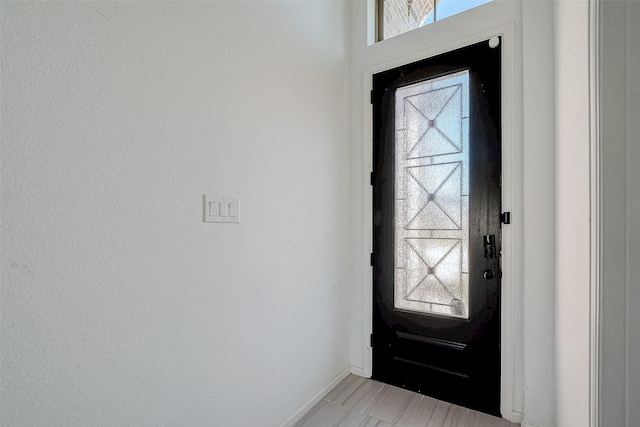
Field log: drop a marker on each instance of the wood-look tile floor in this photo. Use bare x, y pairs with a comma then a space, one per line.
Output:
361, 402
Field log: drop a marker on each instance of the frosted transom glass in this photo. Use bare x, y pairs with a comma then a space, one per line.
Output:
432, 196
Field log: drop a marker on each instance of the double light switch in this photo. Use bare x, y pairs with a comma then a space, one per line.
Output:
221, 209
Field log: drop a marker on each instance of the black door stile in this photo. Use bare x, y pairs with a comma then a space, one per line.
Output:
453, 357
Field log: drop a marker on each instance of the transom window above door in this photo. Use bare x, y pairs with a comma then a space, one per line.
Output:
399, 16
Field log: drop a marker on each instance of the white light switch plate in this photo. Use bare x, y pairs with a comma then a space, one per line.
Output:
221, 209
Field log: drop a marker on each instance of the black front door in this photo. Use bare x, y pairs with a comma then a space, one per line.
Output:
436, 226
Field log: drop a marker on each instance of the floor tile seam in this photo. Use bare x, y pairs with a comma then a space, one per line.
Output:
313, 411
415, 410
375, 398
379, 420
346, 388
444, 419
341, 405
369, 402
404, 407
353, 392
349, 410
433, 412
342, 418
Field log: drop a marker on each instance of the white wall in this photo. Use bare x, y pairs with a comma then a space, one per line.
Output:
620, 151
573, 210
532, 189
538, 254
119, 305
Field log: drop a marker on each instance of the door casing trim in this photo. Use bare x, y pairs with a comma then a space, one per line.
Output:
511, 306
595, 325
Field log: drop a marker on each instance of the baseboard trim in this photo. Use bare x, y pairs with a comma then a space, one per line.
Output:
513, 416
356, 370
296, 416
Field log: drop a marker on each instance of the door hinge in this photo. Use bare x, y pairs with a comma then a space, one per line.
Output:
371, 178
372, 96
371, 259
505, 217
371, 340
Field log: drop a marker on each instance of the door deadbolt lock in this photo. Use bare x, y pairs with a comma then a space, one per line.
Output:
489, 242
488, 274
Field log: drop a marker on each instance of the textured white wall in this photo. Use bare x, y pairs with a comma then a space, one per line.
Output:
119, 305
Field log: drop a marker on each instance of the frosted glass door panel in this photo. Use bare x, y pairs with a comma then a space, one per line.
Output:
432, 196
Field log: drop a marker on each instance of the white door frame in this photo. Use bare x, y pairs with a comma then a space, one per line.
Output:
595, 213
512, 181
